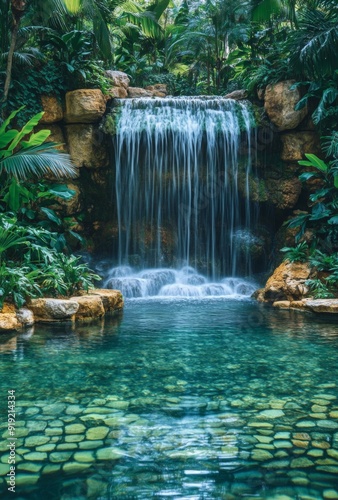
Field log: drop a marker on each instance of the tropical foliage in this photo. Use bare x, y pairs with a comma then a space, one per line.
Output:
35, 242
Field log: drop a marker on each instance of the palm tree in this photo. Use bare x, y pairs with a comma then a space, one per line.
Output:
314, 46
12, 13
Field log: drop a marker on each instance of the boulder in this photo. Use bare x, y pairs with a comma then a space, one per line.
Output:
287, 283
52, 108
84, 106
139, 92
87, 147
118, 92
284, 193
237, 95
118, 78
51, 310
322, 306
280, 102
112, 300
25, 317
282, 304
296, 144
90, 307
9, 322
158, 90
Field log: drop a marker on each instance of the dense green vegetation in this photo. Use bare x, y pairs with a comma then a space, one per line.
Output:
211, 47
34, 242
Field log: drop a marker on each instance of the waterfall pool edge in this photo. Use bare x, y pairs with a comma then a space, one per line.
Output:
186, 399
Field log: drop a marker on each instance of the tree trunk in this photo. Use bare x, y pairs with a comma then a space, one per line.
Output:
18, 10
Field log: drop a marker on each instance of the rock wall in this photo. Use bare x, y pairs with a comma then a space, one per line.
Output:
282, 138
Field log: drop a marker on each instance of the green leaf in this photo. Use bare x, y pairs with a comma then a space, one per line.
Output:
307, 175
51, 215
36, 139
9, 119
62, 191
333, 220
14, 195
26, 129
7, 137
336, 181
317, 162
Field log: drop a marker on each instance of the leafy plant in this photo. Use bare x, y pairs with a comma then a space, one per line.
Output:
318, 289
323, 213
299, 253
17, 284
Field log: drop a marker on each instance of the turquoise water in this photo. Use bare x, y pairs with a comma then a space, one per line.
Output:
176, 399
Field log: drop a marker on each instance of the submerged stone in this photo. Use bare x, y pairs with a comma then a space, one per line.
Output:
272, 413
96, 433
109, 454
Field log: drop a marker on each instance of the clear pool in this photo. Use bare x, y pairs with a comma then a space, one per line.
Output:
176, 399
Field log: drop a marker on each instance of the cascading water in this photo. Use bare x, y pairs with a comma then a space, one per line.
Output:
179, 162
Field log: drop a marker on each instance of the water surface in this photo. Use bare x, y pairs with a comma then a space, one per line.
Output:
194, 398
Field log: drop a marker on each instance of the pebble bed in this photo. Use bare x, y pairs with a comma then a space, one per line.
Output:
205, 415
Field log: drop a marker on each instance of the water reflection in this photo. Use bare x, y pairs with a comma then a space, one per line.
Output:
200, 399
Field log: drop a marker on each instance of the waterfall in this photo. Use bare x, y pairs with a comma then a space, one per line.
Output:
179, 163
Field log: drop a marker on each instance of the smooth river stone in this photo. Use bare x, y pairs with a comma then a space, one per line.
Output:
323, 445
46, 447
315, 452
261, 455
329, 397
302, 436
95, 433
74, 438
300, 444
75, 429
260, 425
84, 456
32, 411
51, 469
263, 439
60, 456
330, 494
33, 441
67, 446
282, 435
26, 479
318, 409
305, 423
29, 467
118, 405
96, 410
56, 423
72, 467
320, 402
271, 413
333, 453
36, 456
54, 431
333, 414
327, 424
109, 454
54, 409
281, 443
74, 410
36, 425
90, 445
301, 462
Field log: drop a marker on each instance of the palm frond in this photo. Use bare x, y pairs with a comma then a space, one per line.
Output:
38, 161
